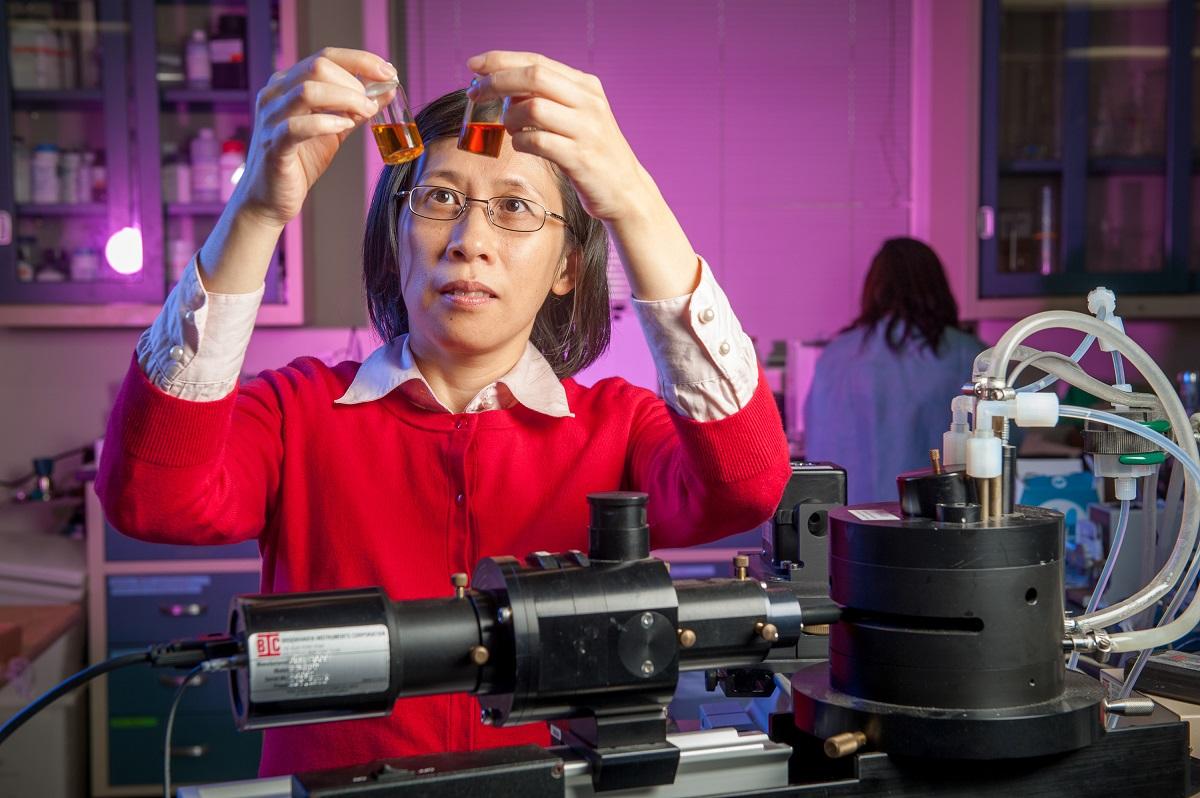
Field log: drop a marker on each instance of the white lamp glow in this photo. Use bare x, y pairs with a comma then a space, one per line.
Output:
124, 251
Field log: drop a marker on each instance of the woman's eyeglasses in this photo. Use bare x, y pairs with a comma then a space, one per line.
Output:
507, 213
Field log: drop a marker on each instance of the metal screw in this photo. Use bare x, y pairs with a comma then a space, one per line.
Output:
740, 563
459, 581
504, 615
479, 655
767, 631
647, 668
647, 620
844, 744
687, 638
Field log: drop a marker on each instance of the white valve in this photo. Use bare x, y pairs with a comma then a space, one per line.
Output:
1036, 409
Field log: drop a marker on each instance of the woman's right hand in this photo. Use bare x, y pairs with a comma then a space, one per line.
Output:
301, 118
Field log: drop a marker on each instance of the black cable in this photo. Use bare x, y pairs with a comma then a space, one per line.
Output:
66, 686
187, 681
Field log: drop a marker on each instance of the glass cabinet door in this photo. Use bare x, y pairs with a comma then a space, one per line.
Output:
196, 84
73, 234
1088, 147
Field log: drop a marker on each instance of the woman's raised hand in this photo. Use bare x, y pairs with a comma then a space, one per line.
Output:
301, 118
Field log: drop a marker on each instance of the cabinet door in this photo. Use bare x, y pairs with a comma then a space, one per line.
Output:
1088, 158
197, 69
73, 235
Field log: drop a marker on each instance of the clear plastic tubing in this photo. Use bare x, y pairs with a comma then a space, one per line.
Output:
1165, 390
1106, 572
1162, 635
1050, 379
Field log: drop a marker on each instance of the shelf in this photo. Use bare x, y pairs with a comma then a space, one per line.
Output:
1127, 166
63, 209
239, 97
1030, 167
56, 98
195, 208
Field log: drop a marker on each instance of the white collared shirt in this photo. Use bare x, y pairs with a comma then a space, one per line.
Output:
706, 364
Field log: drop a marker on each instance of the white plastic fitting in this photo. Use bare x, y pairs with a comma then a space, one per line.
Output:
954, 441
984, 457
1102, 303
1036, 410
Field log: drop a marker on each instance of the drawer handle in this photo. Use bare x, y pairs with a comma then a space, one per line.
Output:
189, 751
175, 682
183, 610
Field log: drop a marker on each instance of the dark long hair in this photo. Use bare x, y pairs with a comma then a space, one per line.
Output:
571, 331
906, 290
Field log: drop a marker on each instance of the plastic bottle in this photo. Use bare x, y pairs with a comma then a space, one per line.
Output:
23, 48
176, 176
51, 270
84, 179
227, 52
68, 60
99, 179
44, 175
197, 63
206, 172
232, 161
47, 63
179, 253
68, 176
21, 167
85, 264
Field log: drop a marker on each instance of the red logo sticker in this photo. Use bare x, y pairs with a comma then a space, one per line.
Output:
268, 644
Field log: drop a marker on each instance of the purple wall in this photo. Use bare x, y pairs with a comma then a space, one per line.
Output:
796, 165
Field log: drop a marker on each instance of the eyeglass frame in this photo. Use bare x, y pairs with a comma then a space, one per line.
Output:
487, 204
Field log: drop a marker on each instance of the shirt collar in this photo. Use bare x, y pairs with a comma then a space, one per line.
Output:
531, 382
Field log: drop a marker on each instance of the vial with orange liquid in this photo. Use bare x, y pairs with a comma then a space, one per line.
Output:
483, 127
393, 126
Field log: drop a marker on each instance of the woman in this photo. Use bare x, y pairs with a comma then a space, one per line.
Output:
881, 390
464, 435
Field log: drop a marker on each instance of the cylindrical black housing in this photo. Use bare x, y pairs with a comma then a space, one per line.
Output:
618, 531
723, 616
922, 491
947, 615
579, 639
315, 657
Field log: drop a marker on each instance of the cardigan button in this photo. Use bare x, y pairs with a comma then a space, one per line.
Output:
460, 423
459, 499
723, 348
707, 315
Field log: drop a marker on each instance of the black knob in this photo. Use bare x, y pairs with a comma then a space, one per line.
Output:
618, 531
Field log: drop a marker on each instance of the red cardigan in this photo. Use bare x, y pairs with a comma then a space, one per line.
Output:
385, 493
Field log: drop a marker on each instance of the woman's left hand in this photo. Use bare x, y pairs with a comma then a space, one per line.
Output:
562, 115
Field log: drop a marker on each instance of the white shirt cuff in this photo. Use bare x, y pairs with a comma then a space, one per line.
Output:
195, 348
707, 367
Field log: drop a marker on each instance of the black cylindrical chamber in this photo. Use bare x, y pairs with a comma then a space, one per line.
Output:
723, 616
584, 638
947, 615
618, 531
315, 657
436, 637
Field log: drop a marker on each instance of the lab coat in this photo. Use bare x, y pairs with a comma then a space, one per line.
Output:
876, 412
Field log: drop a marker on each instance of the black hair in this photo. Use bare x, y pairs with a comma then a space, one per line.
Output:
906, 290
571, 331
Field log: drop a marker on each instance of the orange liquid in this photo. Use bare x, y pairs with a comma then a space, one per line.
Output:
482, 138
398, 143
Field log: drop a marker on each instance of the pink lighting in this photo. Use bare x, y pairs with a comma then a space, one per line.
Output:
124, 251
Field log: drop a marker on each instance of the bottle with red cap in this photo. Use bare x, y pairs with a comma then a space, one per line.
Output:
231, 164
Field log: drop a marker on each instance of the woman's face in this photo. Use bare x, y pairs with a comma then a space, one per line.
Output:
473, 289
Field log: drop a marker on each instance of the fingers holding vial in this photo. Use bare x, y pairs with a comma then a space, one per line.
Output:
393, 126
